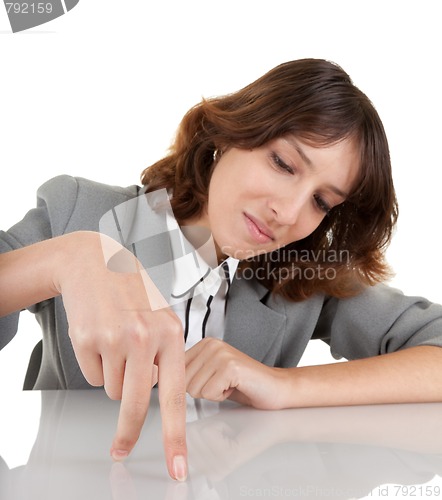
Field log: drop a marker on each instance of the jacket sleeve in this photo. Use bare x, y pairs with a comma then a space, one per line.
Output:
378, 321
58, 194
36, 226
64, 204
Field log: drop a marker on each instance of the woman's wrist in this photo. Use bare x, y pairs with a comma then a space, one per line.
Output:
286, 388
267, 388
70, 252
33, 273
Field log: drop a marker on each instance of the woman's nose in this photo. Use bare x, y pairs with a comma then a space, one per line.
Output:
287, 209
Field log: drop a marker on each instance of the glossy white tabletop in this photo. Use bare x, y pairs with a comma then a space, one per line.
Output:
234, 452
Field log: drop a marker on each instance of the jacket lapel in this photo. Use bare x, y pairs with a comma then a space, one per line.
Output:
251, 326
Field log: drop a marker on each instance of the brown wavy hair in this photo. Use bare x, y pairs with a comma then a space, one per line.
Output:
315, 100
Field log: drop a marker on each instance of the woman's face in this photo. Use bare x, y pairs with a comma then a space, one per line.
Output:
262, 199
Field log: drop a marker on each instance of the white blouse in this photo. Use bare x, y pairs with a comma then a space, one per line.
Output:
200, 291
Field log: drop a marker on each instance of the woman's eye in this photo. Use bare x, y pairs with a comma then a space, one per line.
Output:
322, 204
281, 164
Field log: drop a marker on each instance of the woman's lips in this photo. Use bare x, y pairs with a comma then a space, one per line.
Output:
259, 231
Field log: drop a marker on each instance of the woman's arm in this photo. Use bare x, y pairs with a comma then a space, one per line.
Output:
117, 337
216, 371
26, 274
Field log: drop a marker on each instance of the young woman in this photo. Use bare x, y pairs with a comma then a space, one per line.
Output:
291, 178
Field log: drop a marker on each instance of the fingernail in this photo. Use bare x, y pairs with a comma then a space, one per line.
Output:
180, 468
119, 455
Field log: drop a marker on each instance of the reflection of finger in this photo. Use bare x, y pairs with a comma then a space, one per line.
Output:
172, 395
122, 486
177, 491
213, 447
134, 405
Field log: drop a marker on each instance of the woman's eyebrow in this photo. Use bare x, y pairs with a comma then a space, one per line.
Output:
311, 166
300, 151
337, 191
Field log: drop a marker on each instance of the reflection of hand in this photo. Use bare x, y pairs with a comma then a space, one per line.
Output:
217, 371
240, 443
123, 487
214, 449
220, 444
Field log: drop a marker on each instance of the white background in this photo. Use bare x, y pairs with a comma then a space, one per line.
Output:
99, 92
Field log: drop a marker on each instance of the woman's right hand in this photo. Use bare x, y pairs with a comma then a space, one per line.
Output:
123, 333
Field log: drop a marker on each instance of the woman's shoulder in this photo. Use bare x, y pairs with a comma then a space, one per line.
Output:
75, 203
68, 187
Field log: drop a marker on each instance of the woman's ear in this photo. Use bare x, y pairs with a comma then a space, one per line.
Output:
217, 155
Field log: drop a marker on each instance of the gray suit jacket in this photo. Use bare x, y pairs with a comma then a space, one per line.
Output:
266, 327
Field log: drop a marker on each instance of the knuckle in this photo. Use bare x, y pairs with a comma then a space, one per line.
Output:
174, 327
195, 392
213, 343
213, 347
192, 392
142, 331
110, 341
137, 336
205, 393
211, 396
232, 366
80, 338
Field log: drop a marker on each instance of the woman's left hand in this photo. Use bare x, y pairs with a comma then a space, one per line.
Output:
217, 371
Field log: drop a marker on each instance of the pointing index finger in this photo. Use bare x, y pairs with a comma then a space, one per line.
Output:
172, 395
